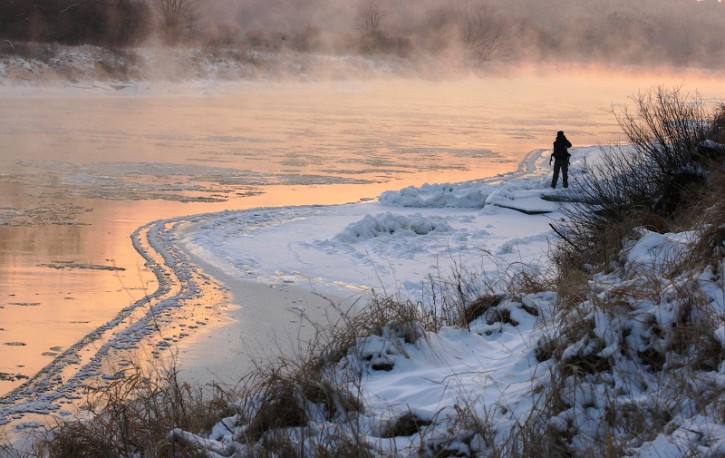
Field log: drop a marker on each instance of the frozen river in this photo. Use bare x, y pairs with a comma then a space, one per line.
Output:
82, 167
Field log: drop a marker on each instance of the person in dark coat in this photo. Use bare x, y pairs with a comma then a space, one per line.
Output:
561, 159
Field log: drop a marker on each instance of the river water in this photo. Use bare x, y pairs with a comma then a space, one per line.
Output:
81, 167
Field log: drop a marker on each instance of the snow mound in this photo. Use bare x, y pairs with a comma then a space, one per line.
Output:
389, 224
445, 195
526, 190
526, 201
658, 253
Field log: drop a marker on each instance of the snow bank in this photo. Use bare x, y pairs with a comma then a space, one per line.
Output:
658, 253
614, 357
391, 225
395, 244
463, 195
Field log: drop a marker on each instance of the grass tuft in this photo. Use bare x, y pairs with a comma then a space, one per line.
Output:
133, 416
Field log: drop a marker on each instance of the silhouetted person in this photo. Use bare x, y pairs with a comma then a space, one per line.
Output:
561, 159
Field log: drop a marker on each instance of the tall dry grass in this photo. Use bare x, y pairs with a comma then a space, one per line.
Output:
666, 169
670, 180
132, 416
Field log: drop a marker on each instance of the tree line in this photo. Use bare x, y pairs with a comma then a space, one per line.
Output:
679, 32
112, 23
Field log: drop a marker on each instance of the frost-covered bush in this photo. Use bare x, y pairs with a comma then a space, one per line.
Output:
642, 359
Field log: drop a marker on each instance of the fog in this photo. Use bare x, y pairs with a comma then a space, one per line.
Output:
669, 32
253, 39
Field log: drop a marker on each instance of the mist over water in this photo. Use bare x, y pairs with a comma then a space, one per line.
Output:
353, 39
673, 33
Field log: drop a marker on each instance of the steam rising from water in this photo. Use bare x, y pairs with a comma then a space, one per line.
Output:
674, 32
358, 39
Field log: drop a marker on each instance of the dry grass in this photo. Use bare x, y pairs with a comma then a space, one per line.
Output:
707, 217
665, 172
132, 416
292, 395
464, 296
9, 451
670, 377
680, 356
300, 391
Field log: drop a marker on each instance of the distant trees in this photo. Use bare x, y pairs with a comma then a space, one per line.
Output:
469, 32
370, 18
110, 23
372, 38
484, 33
473, 29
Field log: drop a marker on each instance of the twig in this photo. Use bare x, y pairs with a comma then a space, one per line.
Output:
75, 5
565, 238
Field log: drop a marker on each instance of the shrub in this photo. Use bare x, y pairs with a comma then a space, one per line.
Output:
647, 184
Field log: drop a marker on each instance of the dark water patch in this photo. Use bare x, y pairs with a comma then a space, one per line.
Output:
58, 214
81, 266
6, 377
249, 193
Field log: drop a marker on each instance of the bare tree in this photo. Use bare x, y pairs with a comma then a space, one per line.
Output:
484, 32
370, 18
372, 38
179, 17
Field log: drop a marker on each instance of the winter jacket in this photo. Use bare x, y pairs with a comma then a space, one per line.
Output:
561, 145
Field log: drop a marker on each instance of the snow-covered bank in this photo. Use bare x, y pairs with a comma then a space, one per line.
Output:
123, 69
399, 245
498, 370
395, 244
338, 251
621, 360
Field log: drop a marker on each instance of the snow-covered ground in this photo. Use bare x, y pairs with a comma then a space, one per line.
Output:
395, 244
489, 229
41, 65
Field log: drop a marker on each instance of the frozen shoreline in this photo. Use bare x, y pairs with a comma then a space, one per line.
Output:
291, 260
262, 321
493, 366
142, 335
297, 258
